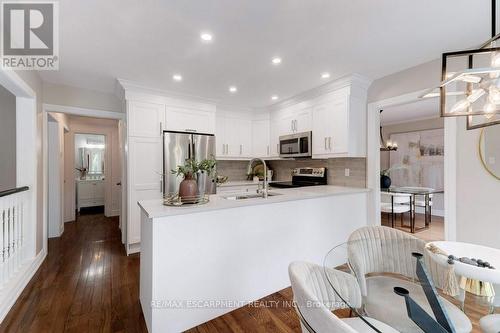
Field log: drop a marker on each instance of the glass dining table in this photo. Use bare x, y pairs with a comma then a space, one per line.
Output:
386, 284
415, 192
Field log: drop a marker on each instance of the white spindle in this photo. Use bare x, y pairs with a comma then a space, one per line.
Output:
12, 228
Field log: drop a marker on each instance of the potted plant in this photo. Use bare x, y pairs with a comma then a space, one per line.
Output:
188, 188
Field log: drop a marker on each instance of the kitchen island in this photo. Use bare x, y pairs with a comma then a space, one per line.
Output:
199, 262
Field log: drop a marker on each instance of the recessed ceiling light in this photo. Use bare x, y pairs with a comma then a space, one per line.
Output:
325, 75
233, 89
207, 37
177, 77
274, 97
276, 60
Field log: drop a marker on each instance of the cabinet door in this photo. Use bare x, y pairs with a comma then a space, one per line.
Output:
99, 190
260, 138
145, 168
145, 119
274, 138
220, 135
303, 120
321, 122
286, 124
238, 135
188, 120
338, 144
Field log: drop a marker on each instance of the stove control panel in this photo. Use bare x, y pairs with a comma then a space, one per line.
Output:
309, 172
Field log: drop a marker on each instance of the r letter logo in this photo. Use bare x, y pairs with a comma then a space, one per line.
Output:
30, 36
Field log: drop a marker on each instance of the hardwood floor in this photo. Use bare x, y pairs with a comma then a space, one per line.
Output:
435, 231
88, 284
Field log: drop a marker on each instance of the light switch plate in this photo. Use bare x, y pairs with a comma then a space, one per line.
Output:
347, 172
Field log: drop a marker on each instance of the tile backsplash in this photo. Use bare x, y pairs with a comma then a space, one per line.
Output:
236, 170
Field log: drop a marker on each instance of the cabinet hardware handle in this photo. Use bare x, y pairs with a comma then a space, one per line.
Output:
161, 128
295, 125
325, 144
227, 149
291, 125
190, 130
277, 148
241, 149
330, 142
267, 150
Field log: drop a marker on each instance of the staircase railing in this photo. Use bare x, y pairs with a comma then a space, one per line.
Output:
13, 205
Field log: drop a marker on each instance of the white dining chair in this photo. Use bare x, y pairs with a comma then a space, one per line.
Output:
315, 300
491, 323
420, 199
395, 203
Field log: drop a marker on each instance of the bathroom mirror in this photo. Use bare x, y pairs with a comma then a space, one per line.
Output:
489, 150
89, 149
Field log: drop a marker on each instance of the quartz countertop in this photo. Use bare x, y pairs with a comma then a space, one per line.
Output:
156, 209
241, 183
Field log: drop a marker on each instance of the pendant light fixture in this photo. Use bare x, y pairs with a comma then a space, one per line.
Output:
470, 84
386, 145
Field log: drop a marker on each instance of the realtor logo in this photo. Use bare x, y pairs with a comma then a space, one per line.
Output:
30, 36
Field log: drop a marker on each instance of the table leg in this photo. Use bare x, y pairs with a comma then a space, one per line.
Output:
412, 214
427, 213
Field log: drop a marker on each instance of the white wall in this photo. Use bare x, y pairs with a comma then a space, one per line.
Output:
478, 193
78, 97
7, 140
112, 193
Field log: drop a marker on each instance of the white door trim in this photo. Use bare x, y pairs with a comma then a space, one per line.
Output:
373, 161
86, 112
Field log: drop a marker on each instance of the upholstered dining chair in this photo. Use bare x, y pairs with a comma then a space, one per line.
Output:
491, 323
315, 300
395, 203
385, 255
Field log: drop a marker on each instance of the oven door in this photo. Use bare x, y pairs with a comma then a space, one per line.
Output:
296, 145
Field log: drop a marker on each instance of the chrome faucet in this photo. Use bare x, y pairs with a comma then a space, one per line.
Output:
249, 170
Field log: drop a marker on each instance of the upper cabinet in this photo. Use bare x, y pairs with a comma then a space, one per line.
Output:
145, 119
234, 135
293, 120
185, 119
339, 122
260, 138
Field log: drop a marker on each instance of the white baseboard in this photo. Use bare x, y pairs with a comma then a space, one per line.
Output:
15, 287
133, 248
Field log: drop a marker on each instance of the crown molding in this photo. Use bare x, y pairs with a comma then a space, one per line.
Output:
129, 88
356, 80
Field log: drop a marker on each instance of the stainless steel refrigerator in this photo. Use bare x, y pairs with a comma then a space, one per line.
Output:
180, 146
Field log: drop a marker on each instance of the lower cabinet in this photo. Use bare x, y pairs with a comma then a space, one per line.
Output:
89, 193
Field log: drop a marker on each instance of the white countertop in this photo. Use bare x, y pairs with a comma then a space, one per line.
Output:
156, 209
242, 183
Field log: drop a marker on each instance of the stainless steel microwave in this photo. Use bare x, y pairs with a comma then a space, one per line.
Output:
296, 145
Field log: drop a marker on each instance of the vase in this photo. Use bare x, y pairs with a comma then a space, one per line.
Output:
385, 181
188, 188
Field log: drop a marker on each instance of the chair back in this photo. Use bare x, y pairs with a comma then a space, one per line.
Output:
397, 198
315, 298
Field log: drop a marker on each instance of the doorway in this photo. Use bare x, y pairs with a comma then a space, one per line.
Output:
410, 116
89, 164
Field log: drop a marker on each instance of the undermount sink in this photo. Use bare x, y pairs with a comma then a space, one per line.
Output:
249, 196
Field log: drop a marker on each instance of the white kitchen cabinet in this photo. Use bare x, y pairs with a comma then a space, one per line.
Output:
294, 120
145, 119
189, 120
274, 138
144, 179
260, 138
234, 137
330, 126
339, 124
89, 193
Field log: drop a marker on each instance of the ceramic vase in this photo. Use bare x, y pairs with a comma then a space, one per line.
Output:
188, 188
385, 181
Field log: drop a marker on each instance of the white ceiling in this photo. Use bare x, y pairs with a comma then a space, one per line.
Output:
422, 109
148, 41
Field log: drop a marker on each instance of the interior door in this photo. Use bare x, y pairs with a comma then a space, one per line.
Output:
177, 148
